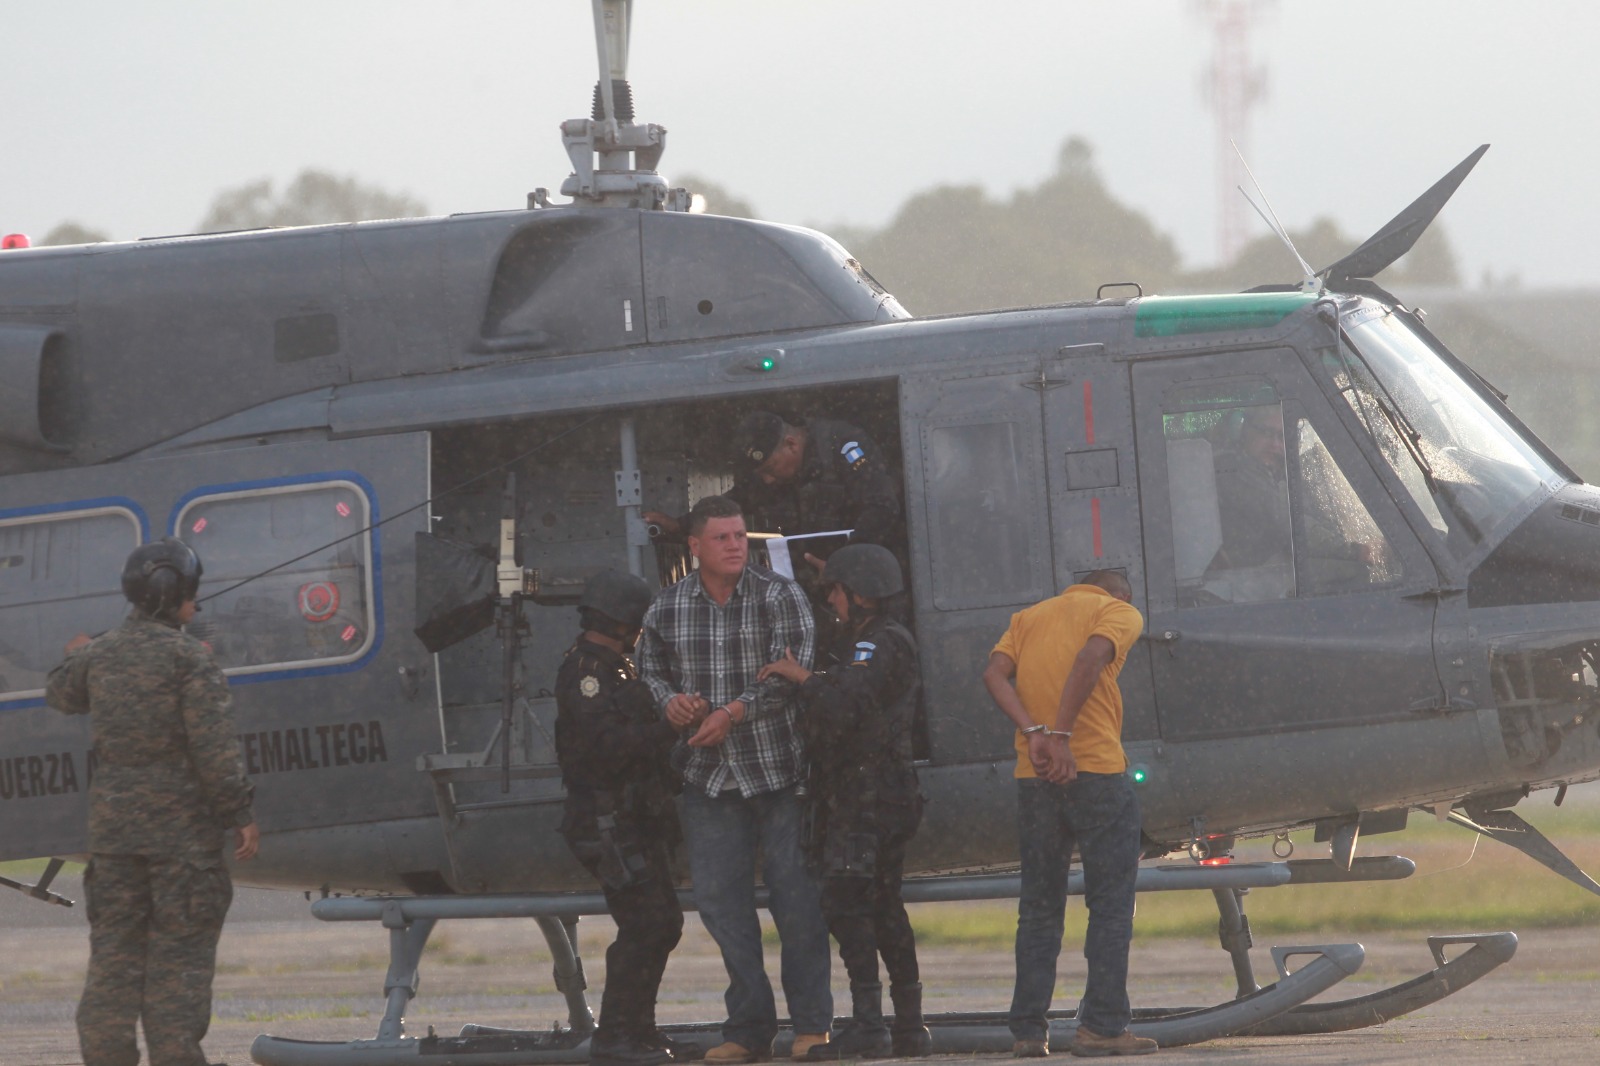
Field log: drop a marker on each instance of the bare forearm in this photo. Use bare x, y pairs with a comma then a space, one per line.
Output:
1081, 680
1005, 697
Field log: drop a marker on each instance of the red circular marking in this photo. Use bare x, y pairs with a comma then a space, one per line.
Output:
319, 601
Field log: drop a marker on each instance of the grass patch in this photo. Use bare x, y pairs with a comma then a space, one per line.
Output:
304, 1015
468, 958
28, 870
1456, 889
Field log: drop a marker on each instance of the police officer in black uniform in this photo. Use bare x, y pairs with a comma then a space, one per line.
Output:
619, 819
818, 475
865, 805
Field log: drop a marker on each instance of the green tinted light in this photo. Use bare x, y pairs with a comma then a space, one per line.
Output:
1172, 316
1138, 773
767, 362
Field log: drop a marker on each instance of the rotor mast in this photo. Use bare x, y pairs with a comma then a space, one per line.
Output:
613, 157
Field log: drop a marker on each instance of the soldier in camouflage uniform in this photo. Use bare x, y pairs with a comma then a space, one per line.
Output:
619, 819
167, 785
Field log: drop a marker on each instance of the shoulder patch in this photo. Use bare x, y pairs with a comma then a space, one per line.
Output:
864, 650
854, 455
589, 687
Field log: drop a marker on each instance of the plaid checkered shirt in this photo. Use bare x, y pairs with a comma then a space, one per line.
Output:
693, 644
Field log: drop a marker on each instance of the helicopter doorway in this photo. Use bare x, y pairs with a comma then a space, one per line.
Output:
1278, 567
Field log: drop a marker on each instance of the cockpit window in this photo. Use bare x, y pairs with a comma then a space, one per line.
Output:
1464, 466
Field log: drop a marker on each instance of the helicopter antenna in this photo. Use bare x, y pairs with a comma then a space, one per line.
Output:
1308, 277
613, 157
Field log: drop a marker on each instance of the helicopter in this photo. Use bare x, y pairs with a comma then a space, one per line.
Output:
401, 447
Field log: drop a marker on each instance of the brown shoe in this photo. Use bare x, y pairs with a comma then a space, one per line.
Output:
1030, 1049
804, 1042
1086, 1043
731, 1054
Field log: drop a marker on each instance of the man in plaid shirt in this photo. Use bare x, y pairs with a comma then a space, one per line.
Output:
705, 638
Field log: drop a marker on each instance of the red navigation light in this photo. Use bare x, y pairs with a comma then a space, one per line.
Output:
15, 240
1220, 860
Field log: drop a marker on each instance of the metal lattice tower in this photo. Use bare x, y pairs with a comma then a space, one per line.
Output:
1231, 85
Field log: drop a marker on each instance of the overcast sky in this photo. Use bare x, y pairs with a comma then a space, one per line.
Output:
129, 117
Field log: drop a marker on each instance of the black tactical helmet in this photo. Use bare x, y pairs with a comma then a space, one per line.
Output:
158, 577
869, 570
621, 597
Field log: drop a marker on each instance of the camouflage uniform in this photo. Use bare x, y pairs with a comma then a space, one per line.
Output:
167, 785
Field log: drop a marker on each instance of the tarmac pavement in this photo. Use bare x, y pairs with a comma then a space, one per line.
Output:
282, 972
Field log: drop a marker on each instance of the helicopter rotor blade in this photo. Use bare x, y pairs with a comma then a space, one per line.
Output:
1400, 232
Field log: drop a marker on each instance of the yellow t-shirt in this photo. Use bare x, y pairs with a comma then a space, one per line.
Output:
1043, 641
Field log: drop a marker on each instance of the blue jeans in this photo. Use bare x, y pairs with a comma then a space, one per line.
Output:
1099, 814
723, 834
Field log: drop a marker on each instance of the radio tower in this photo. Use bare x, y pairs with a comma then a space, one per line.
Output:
1232, 85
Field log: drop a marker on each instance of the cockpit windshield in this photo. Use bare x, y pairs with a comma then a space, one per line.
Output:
1465, 467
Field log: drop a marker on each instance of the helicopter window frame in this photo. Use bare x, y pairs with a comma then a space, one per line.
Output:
1313, 566
954, 538
72, 512
1226, 397
368, 560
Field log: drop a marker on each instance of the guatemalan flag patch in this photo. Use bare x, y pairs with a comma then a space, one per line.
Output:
853, 454
864, 650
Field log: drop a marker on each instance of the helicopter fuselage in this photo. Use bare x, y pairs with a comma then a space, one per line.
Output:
1419, 629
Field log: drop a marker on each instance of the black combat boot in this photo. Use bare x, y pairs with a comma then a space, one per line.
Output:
911, 1037
864, 1036
682, 1050
624, 1049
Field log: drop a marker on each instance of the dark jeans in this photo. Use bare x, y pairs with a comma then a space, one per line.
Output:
1099, 814
723, 834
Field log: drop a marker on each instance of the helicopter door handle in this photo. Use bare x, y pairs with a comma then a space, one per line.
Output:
1166, 636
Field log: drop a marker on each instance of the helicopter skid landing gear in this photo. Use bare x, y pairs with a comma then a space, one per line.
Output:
479, 1045
1487, 951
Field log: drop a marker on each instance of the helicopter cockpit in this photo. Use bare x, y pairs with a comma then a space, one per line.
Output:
1469, 472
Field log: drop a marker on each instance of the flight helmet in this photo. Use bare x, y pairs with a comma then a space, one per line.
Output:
158, 577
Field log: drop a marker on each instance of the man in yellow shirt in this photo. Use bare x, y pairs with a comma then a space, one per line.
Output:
1054, 674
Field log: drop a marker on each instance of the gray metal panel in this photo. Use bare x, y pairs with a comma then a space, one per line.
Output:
198, 319
40, 279
26, 353
395, 299
564, 282
707, 276
393, 686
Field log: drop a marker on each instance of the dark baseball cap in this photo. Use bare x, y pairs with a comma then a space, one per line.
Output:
758, 436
